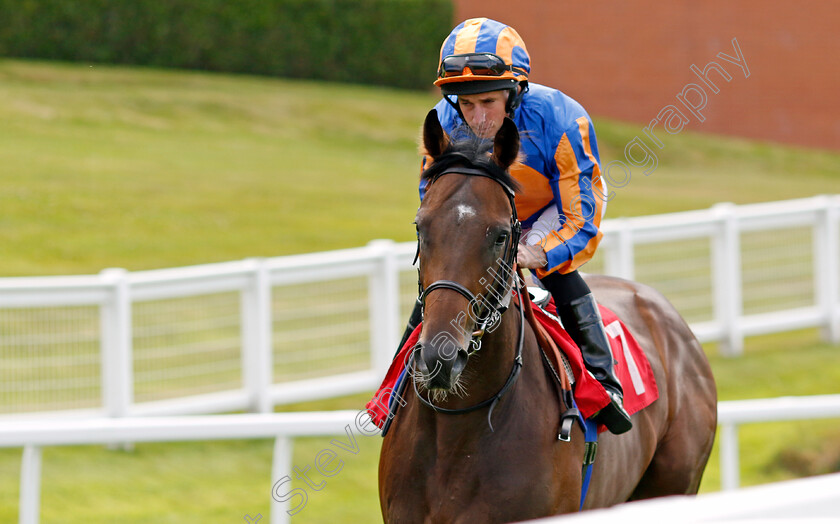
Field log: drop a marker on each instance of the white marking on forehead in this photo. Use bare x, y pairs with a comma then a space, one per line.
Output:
465, 211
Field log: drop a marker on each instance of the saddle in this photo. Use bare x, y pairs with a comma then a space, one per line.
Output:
631, 364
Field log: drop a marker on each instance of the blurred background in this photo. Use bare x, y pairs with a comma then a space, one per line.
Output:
237, 163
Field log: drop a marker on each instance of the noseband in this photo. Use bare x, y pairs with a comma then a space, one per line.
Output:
491, 312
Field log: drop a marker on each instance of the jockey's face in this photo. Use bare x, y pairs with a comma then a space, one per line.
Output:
484, 112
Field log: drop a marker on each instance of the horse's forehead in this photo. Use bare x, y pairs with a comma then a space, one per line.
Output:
461, 200
464, 212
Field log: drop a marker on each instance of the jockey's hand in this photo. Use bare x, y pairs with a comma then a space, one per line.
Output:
531, 257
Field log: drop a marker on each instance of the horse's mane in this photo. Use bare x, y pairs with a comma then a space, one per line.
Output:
467, 150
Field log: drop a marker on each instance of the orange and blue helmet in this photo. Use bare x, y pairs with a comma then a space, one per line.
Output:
482, 55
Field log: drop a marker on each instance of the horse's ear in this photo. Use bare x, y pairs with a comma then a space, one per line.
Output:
434, 139
506, 144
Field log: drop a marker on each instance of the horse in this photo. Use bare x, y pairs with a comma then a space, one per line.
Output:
476, 437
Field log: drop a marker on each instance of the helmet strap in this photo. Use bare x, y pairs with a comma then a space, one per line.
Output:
453, 101
515, 99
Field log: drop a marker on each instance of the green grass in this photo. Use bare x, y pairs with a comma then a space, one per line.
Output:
117, 167
144, 169
135, 168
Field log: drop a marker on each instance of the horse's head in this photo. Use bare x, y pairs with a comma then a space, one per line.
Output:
468, 234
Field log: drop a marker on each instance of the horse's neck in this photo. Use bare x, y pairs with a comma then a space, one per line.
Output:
488, 373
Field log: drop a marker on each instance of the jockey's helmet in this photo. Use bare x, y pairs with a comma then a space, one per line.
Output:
482, 55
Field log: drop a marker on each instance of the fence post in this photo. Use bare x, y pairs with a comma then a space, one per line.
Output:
30, 485
726, 277
620, 255
827, 266
384, 304
116, 344
257, 350
281, 467
729, 465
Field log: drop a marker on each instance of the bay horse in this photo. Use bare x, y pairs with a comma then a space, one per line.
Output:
476, 439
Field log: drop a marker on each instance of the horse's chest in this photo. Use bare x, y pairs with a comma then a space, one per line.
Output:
489, 485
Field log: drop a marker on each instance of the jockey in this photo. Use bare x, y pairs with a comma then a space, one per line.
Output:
483, 76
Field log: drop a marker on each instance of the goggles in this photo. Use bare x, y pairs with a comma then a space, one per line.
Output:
481, 64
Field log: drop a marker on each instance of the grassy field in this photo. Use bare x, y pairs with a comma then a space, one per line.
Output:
116, 167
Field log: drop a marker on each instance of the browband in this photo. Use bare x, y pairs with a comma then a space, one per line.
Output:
473, 171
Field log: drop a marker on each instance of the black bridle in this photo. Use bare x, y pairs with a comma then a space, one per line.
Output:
491, 312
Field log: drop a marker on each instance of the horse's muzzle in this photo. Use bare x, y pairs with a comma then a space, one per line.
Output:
440, 367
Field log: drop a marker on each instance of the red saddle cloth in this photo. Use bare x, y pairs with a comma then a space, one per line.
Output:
632, 369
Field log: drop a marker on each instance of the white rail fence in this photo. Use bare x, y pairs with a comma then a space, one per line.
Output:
251, 334
284, 427
801, 501
204, 328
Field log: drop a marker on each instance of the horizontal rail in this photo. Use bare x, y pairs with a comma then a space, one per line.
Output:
105, 430
34, 434
798, 501
778, 409
172, 429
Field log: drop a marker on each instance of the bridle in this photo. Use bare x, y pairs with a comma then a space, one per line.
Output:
492, 312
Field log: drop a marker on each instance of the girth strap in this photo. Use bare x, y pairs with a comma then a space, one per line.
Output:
550, 354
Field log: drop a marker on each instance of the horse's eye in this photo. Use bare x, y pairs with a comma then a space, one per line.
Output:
502, 238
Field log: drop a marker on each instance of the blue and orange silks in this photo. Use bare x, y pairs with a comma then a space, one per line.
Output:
562, 193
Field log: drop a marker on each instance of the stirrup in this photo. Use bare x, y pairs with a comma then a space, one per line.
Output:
614, 416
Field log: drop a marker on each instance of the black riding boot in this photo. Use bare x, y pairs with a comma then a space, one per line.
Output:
582, 320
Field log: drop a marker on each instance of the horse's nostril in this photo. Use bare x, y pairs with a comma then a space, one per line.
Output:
442, 374
428, 366
458, 365
434, 375
420, 365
